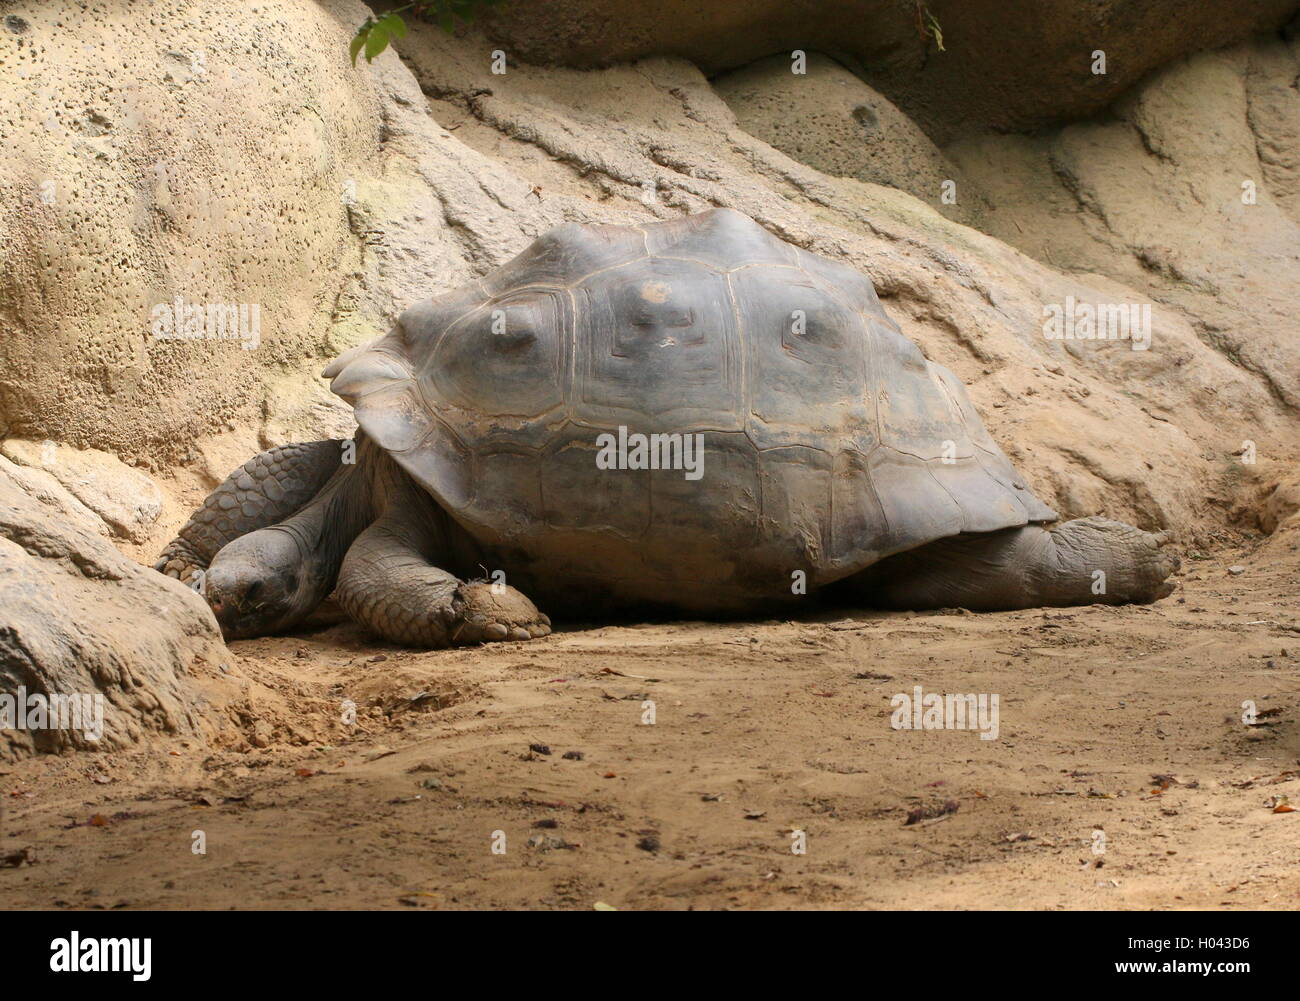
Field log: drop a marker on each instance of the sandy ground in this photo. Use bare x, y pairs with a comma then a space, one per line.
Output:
760, 730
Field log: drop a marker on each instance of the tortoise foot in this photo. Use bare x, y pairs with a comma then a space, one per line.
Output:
483, 612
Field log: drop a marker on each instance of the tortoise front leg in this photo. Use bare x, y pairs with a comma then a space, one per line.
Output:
390, 583
264, 491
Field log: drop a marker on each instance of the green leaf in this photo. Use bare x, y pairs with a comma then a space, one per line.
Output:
375, 35
394, 24
377, 42
937, 32
358, 41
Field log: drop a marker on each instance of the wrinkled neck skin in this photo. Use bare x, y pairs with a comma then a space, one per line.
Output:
325, 529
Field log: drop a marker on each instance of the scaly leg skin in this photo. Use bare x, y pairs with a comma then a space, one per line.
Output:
1083, 562
265, 490
390, 584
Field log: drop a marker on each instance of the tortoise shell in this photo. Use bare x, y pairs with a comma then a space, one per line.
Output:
829, 440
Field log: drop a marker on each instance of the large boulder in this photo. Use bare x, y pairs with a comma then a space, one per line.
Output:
1005, 64
161, 158
95, 650
127, 500
828, 118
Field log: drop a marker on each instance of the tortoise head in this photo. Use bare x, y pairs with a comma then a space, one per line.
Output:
262, 583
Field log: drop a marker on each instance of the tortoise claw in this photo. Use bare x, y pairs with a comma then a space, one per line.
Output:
495, 616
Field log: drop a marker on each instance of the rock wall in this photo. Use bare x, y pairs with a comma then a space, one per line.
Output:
1005, 65
137, 170
343, 195
1187, 193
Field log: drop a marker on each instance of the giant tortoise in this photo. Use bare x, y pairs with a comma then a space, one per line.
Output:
689, 417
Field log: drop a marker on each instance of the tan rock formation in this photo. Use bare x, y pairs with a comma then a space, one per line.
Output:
1006, 64
95, 650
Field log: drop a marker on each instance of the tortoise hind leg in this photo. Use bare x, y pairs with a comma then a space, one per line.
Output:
1083, 562
390, 581
264, 491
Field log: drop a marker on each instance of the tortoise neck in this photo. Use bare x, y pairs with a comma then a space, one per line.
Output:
345, 505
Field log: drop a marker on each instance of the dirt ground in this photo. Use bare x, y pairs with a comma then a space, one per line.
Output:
760, 730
